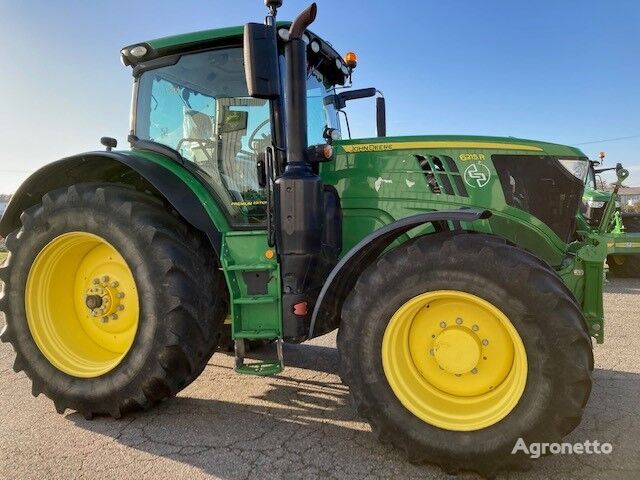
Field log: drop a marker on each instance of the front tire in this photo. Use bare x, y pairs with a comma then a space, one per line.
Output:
436, 363
112, 302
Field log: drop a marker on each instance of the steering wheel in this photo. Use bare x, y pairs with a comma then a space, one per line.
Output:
257, 144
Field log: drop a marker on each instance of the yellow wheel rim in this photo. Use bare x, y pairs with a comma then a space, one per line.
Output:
454, 360
82, 304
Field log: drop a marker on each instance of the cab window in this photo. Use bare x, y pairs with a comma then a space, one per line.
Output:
201, 108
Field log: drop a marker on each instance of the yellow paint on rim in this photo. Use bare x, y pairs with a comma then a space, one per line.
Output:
81, 336
382, 147
454, 360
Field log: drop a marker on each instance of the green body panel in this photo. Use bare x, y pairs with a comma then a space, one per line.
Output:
253, 315
208, 201
380, 181
379, 184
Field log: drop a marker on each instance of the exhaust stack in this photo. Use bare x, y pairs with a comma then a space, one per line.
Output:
298, 194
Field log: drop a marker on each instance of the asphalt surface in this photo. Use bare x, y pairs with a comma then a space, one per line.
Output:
296, 425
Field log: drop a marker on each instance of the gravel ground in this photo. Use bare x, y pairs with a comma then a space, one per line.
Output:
296, 425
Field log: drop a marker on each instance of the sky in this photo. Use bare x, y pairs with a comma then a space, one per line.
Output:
558, 71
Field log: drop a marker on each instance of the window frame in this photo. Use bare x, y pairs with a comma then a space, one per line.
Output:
169, 61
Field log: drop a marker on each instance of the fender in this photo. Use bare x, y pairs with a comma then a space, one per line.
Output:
344, 275
105, 166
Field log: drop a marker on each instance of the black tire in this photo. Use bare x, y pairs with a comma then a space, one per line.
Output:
533, 297
624, 266
180, 316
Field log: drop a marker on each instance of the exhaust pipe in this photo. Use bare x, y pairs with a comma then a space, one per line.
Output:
298, 195
296, 86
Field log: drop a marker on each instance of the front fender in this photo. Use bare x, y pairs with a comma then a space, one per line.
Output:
343, 277
178, 186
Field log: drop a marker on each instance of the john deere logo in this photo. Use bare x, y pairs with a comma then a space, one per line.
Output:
477, 175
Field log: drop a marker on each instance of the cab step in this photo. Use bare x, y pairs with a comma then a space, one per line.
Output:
257, 368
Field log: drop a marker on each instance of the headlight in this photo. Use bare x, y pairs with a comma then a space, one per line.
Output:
595, 204
578, 168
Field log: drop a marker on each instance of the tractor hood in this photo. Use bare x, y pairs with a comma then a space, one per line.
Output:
459, 142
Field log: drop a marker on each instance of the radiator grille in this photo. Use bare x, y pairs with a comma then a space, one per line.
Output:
442, 175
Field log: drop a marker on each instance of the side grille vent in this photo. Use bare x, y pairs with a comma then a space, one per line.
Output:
442, 175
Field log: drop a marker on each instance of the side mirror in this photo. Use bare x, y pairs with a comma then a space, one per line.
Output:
261, 61
381, 117
339, 101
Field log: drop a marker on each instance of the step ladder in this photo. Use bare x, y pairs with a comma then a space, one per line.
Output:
257, 368
253, 279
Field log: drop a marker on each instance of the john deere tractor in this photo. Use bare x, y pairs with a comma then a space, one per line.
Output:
595, 200
464, 296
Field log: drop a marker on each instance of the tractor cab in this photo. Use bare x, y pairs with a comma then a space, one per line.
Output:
192, 97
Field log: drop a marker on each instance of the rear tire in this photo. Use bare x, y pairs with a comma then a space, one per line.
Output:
182, 299
552, 329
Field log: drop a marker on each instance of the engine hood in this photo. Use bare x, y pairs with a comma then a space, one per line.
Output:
458, 142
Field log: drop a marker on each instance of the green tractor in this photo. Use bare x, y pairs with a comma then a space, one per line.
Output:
621, 262
464, 297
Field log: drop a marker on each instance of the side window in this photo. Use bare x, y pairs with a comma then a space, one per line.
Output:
200, 107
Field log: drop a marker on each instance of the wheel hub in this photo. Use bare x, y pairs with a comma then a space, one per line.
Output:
93, 301
457, 350
104, 298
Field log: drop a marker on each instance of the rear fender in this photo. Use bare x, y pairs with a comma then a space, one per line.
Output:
116, 167
342, 279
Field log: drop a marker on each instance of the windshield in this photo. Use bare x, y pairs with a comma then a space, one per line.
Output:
319, 115
201, 107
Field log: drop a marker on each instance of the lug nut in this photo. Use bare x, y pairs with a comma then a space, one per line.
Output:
475, 328
431, 352
114, 316
458, 374
485, 342
114, 284
474, 371
105, 319
459, 321
120, 307
443, 324
105, 279
120, 295
96, 281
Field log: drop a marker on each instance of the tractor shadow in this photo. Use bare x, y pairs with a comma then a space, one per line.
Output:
299, 424
622, 285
